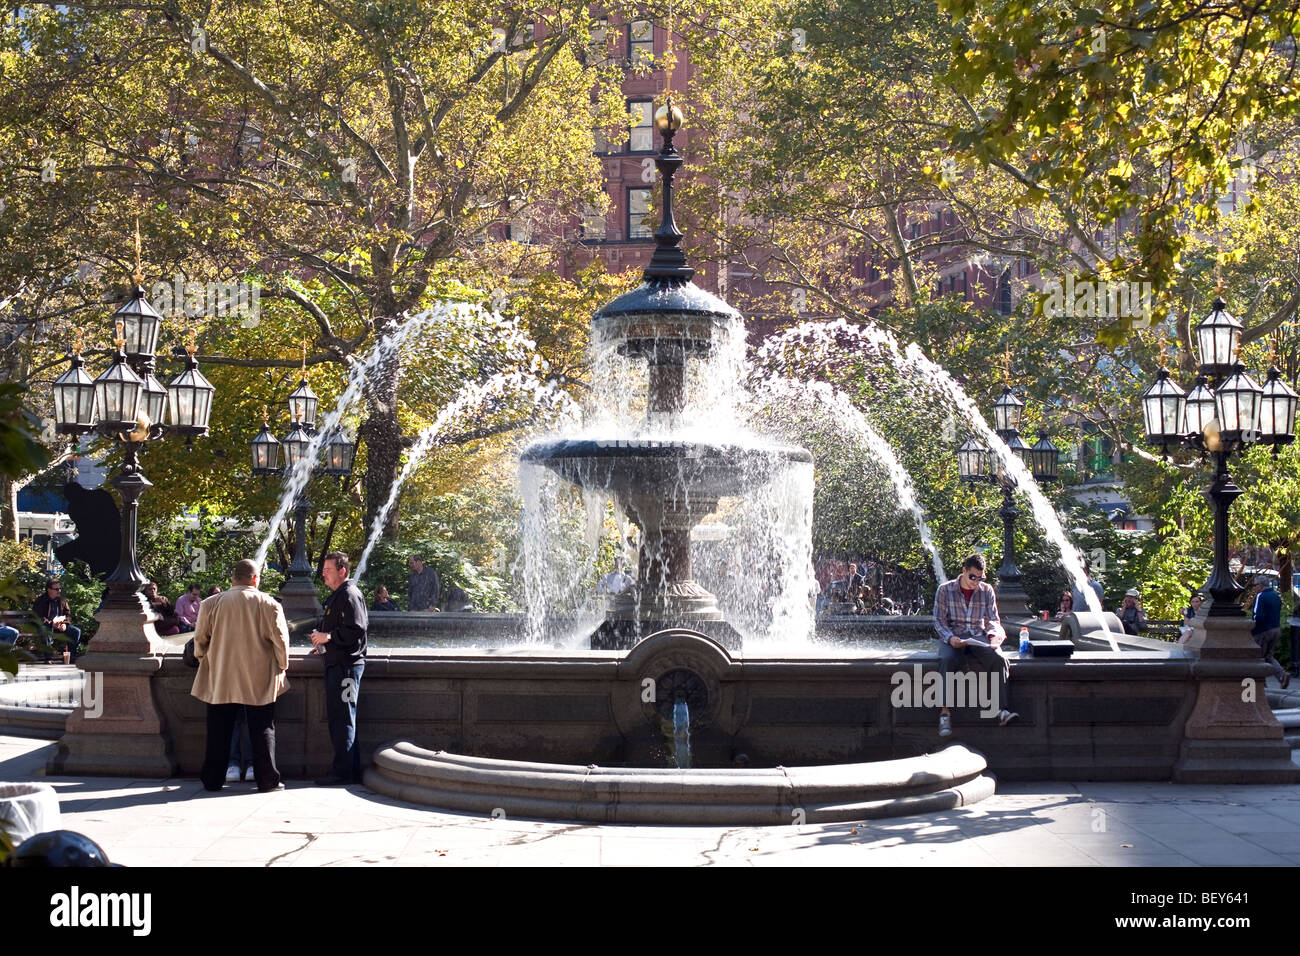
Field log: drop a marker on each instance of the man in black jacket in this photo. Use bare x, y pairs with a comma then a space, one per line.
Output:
52, 608
341, 641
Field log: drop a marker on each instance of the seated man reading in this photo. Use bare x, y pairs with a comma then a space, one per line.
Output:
970, 632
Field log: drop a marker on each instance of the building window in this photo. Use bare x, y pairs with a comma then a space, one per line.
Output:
601, 142
638, 211
640, 44
1004, 293
641, 120
593, 222
598, 51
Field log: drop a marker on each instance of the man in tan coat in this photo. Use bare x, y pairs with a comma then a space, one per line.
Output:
242, 642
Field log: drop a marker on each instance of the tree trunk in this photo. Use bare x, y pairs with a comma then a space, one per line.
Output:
8, 509
383, 437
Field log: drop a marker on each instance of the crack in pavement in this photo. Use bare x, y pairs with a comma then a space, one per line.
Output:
311, 838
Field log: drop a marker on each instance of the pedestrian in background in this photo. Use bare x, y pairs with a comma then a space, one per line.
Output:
1267, 613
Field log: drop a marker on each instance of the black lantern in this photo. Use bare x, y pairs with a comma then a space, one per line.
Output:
302, 405
1277, 410
1006, 412
1045, 456
1200, 408
74, 399
1164, 410
117, 392
339, 455
1216, 340
297, 446
190, 398
970, 460
266, 451
1237, 402
1224, 412
140, 324
153, 398
1021, 451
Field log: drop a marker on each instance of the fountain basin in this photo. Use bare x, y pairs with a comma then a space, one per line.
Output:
954, 777
1101, 715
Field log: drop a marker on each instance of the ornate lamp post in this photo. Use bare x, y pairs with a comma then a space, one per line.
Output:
1225, 411
975, 464
298, 594
1231, 724
126, 402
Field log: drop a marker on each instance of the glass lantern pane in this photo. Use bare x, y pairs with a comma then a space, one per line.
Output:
1172, 412
1228, 412
203, 408
110, 397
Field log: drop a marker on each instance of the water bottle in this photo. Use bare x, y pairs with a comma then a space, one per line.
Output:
1025, 649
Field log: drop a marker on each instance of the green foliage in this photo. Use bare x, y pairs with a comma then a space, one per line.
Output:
18, 589
487, 591
20, 450
175, 556
1122, 108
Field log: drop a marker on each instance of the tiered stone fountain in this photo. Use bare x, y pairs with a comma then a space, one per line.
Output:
665, 487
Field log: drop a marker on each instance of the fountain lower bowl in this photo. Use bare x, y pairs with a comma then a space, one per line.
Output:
953, 777
658, 468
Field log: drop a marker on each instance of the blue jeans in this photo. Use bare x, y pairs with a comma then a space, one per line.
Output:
342, 687
240, 741
56, 641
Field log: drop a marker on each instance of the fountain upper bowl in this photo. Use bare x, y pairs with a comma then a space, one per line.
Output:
652, 467
662, 317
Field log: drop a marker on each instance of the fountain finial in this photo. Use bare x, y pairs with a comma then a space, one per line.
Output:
668, 261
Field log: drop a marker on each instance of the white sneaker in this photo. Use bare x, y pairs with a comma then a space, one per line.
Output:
1006, 716
248, 772
945, 725
232, 773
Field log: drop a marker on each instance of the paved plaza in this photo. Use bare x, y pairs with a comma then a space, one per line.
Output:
175, 823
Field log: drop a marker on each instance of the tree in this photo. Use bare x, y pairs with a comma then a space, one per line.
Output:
1140, 115
374, 147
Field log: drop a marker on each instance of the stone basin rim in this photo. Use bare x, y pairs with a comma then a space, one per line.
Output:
950, 778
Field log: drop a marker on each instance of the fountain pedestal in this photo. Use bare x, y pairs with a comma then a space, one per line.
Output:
665, 594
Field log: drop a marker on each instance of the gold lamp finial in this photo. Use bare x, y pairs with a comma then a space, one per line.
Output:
78, 340
192, 345
120, 339
304, 358
1219, 284
668, 117
266, 419
138, 275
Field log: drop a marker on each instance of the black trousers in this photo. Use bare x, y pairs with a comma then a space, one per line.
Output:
261, 730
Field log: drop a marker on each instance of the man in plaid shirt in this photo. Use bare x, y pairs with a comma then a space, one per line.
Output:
969, 633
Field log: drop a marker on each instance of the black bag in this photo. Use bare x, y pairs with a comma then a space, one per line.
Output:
188, 655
